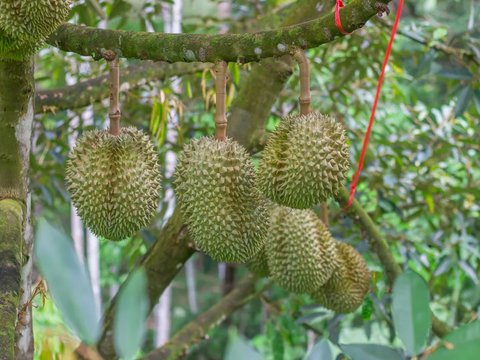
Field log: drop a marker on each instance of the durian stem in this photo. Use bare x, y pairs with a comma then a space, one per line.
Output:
305, 97
324, 213
221, 91
114, 111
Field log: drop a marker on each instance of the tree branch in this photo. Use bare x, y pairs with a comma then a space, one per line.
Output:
198, 329
380, 246
86, 92
212, 48
161, 263
459, 53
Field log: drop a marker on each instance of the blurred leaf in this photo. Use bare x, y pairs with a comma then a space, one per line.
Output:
471, 273
130, 315
476, 99
455, 74
68, 282
464, 97
370, 352
461, 344
321, 351
239, 349
277, 347
411, 311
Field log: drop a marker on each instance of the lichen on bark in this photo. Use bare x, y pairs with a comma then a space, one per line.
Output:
11, 233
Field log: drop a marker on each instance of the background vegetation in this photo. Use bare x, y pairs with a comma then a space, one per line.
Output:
420, 184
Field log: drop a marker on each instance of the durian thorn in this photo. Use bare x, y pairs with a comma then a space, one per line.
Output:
305, 97
114, 111
221, 100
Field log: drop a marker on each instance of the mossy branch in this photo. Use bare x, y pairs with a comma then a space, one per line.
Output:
198, 329
11, 238
86, 92
380, 246
245, 47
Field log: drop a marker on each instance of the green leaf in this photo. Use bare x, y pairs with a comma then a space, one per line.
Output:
370, 352
463, 343
239, 349
456, 74
411, 311
277, 347
130, 315
321, 351
464, 97
68, 282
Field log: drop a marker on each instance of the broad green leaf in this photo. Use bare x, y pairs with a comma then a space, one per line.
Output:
464, 97
411, 311
130, 315
277, 347
321, 351
239, 349
456, 74
370, 352
463, 343
68, 282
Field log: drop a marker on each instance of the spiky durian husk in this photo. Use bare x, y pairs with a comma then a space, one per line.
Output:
224, 212
345, 290
26, 24
259, 264
305, 161
114, 181
300, 250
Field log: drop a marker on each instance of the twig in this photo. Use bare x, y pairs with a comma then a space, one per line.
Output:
197, 330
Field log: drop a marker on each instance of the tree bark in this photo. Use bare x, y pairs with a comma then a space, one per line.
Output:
242, 48
16, 117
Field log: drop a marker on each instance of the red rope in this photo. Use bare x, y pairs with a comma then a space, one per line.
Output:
356, 177
338, 21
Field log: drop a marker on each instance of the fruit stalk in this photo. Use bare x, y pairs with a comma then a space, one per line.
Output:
114, 111
220, 91
305, 97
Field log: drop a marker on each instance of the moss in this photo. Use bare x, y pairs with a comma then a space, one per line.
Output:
16, 90
11, 236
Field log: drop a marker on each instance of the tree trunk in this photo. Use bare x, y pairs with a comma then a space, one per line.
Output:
16, 117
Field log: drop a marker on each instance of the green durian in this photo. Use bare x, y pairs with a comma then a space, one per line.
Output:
224, 212
345, 290
300, 250
259, 264
305, 161
114, 181
24, 25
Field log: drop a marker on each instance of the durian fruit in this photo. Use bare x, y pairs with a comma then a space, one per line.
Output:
24, 25
300, 250
259, 264
114, 181
224, 212
305, 161
345, 290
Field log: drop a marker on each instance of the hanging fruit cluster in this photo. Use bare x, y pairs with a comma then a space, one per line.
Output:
232, 214
24, 25
265, 221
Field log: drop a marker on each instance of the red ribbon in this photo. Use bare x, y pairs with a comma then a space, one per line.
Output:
356, 177
338, 21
